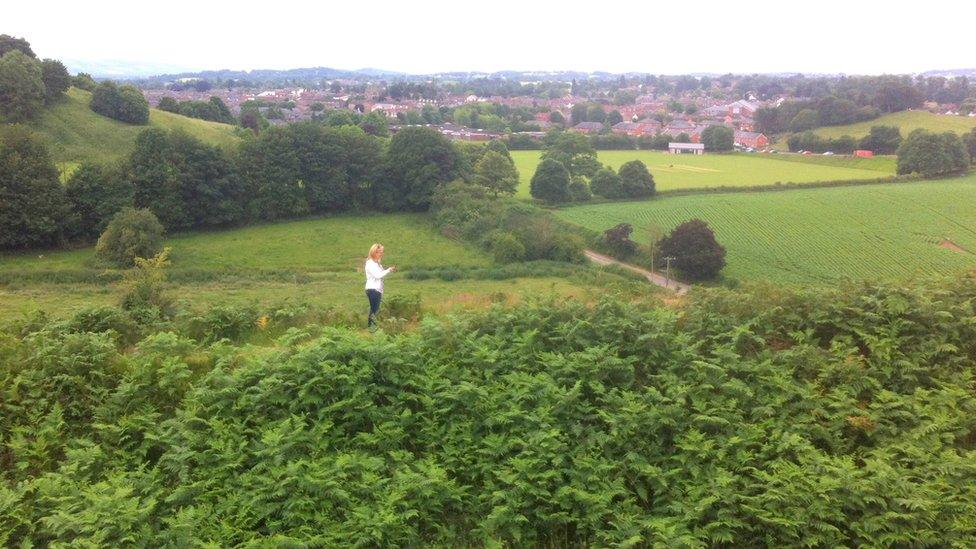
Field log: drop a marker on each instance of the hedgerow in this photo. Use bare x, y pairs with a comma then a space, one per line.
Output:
763, 417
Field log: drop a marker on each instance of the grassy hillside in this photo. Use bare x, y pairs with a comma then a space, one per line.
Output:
816, 235
74, 133
673, 172
317, 261
905, 120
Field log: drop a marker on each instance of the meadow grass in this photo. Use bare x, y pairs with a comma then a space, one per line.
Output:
677, 172
906, 121
891, 231
74, 133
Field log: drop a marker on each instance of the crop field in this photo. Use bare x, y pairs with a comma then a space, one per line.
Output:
904, 120
74, 133
674, 172
807, 236
317, 261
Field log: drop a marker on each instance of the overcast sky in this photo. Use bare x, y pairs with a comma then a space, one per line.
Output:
660, 37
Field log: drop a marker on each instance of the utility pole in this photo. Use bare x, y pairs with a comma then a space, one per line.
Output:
667, 272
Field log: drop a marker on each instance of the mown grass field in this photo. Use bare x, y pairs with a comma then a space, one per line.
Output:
676, 172
907, 121
74, 133
318, 261
807, 236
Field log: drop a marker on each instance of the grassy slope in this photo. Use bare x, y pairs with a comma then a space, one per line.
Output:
905, 120
817, 235
74, 133
711, 170
326, 253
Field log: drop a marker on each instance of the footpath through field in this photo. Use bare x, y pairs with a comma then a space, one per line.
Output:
652, 277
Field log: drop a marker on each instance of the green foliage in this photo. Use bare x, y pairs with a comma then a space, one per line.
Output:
418, 160
840, 417
635, 180
33, 206
56, 80
21, 87
695, 251
550, 181
9, 43
506, 248
497, 173
579, 189
616, 241
931, 154
123, 103
809, 141
401, 305
145, 286
130, 234
718, 138
606, 183
881, 140
95, 194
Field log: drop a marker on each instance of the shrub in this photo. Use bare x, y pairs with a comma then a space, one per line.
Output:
405, 306
145, 287
931, 154
506, 248
132, 233
695, 251
616, 240
125, 103
579, 191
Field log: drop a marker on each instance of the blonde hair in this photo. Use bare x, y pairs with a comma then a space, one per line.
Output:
374, 251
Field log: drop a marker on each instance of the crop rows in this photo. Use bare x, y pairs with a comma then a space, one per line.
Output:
817, 235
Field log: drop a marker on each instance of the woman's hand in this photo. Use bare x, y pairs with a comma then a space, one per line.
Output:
393, 269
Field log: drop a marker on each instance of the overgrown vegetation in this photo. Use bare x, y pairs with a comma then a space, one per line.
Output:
824, 418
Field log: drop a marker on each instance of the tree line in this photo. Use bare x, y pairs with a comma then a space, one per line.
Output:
294, 170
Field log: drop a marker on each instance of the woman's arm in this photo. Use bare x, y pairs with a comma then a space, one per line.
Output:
375, 271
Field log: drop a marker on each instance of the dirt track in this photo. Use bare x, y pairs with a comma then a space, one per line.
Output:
654, 278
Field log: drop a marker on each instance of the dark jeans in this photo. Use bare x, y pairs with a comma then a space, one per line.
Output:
375, 296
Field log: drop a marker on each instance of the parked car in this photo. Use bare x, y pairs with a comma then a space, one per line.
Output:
828, 153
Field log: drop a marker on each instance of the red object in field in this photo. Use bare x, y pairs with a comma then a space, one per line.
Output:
864, 153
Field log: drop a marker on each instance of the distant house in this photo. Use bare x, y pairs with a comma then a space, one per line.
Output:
637, 129
751, 139
588, 127
686, 148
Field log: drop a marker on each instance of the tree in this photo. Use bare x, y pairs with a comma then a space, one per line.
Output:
95, 195
931, 154
616, 240
882, 140
496, 173
635, 180
168, 104
807, 119
32, 202
21, 86
574, 151
579, 190
125, 103
417, 161
718, 138
499, 147
56, 80
578, 113
970, 141
9, 43
614, 117
695, 251
606, 183
130, 234
220, 111
84, 81
557, 117
550, 181
595, 113
376, 123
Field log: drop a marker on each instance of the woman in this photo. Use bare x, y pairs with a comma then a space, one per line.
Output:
374, 281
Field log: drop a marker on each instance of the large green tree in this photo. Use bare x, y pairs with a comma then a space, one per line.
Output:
9, 43
21, 86
882, 140
95, 194
718, 138
931, 154
124, 103
496, 173
33, 208
417, 161
635, 180
695, 251
573, 150
606, 183
550, 181
970, 141
56, 79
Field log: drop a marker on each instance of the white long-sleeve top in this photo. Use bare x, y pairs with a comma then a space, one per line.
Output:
374, 275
